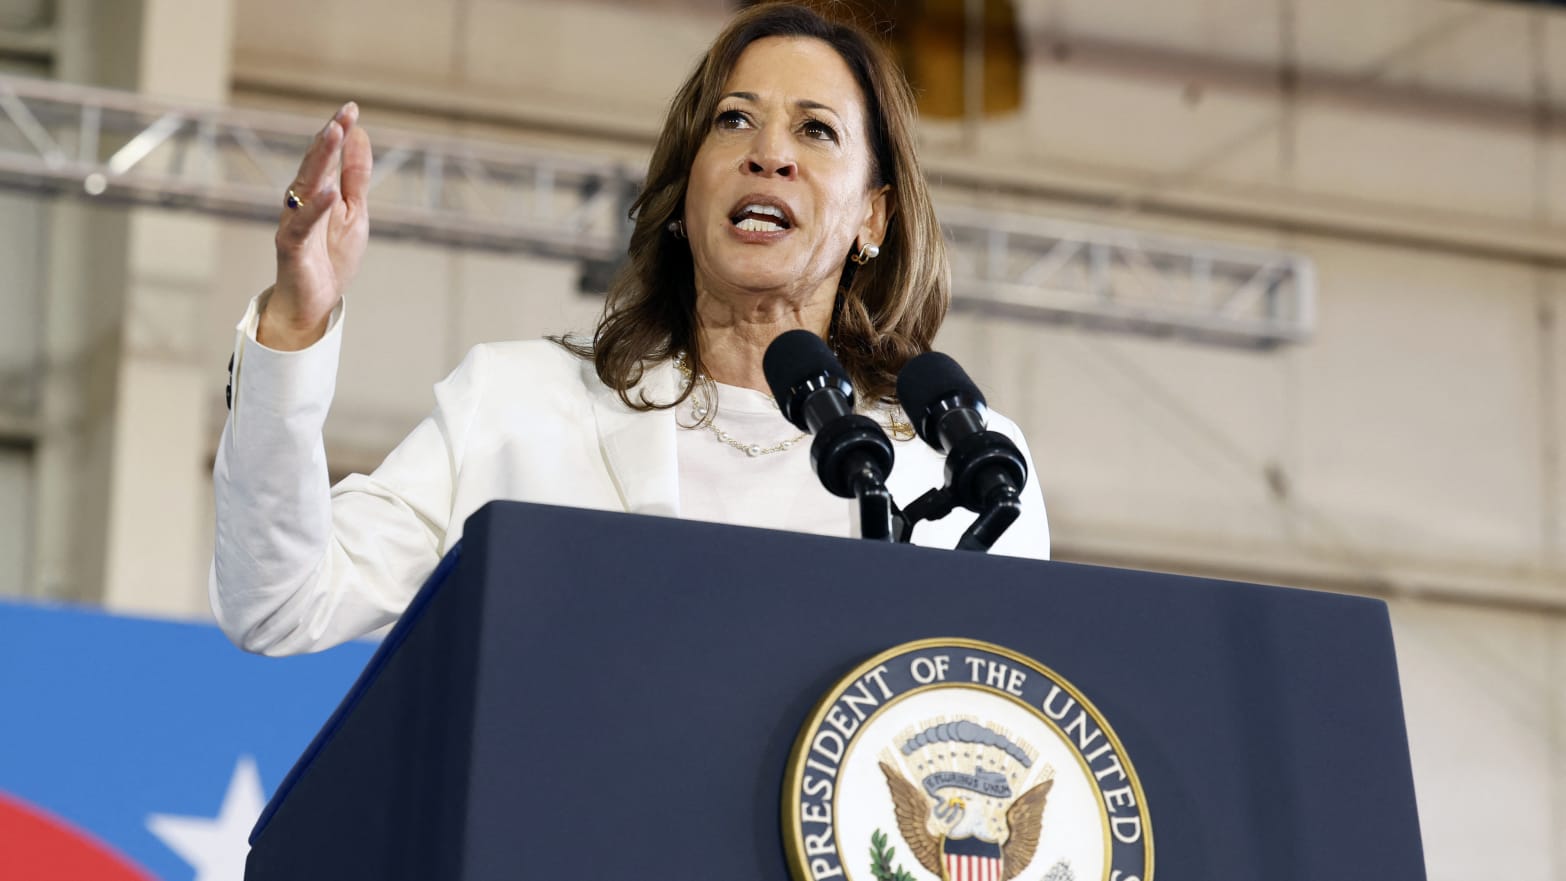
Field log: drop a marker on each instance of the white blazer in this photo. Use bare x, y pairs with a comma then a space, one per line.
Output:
300, 566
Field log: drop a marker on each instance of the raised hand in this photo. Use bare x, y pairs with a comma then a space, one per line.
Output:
321, 235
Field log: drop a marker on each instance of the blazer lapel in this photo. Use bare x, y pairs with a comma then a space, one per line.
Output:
639, 447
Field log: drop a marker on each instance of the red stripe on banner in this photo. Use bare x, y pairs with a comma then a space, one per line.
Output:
40, 846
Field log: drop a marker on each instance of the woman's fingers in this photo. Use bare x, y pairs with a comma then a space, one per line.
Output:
319, 167
298, 223
314, 169
348, 115
333, 137
316, 184
357, 165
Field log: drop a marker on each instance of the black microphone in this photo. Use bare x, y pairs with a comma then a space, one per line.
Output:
985, 472
851, 453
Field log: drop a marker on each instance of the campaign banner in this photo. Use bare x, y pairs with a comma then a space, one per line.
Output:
134, 749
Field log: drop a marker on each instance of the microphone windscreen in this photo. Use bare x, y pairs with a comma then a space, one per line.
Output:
925, 380
794, 357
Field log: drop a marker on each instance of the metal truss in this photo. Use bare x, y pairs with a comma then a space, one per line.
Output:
118, 146
127, 148
1034, 268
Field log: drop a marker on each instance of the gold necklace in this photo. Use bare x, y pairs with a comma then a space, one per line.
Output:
701, 413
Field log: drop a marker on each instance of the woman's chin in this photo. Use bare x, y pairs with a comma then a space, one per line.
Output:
765, 286
760, 281
763, 271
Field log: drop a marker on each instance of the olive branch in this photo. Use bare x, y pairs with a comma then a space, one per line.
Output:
881, 860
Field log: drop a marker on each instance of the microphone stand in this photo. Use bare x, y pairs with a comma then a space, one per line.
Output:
933, 505
1001, 509
879, 519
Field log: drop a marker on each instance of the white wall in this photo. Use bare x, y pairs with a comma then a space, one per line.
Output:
16, 521
1487, 732
21, 217
1412, 436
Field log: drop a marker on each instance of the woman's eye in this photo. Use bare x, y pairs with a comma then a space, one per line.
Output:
731, 119
815, 128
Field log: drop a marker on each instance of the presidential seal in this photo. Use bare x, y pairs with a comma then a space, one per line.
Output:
956, 760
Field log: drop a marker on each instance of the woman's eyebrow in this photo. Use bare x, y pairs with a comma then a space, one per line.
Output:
803, 103
807, 104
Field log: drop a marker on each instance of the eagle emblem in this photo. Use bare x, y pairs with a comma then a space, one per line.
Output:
957, 760
964, 821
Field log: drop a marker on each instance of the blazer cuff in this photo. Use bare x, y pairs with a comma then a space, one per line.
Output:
297, 384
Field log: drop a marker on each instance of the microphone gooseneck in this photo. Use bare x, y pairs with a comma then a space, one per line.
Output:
851, 454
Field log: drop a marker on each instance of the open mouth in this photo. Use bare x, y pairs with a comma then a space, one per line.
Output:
758, 217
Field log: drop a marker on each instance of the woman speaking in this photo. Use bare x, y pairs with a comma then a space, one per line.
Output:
784, 192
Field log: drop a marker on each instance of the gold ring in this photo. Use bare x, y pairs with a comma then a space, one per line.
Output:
292, 200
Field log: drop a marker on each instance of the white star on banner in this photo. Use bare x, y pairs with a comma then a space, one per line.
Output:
217, 847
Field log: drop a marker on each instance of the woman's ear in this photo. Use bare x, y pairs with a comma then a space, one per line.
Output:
878, 216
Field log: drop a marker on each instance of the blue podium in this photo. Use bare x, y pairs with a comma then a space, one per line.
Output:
579, 694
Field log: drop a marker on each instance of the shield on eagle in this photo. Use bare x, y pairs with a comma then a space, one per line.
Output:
971, 859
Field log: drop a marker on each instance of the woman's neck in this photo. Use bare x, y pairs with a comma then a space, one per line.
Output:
734, 337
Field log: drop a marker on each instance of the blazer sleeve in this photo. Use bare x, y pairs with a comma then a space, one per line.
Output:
298, 565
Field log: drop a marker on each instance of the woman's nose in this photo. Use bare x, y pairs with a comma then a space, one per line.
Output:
768, 158
767, 166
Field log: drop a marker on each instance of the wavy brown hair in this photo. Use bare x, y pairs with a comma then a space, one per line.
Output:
887, 311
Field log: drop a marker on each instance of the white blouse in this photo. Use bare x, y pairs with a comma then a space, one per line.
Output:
774, 490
